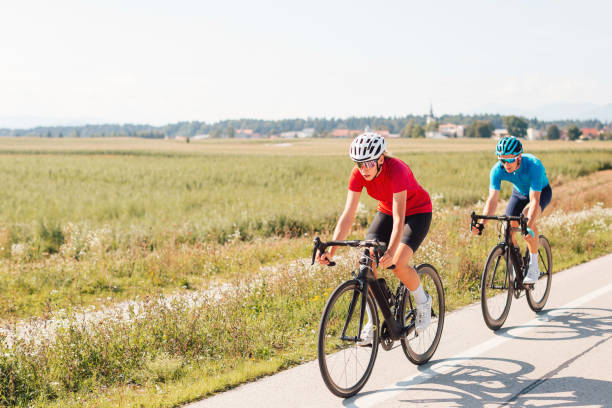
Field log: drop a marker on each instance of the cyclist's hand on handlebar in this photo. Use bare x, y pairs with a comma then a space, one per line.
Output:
477, 229
324, 258
386, 260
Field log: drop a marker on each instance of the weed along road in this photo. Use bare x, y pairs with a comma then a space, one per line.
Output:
559, 357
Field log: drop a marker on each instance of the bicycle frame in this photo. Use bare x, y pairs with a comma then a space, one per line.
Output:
367, 281
511, 251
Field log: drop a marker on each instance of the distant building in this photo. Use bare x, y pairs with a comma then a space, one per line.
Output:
200, 137
589, 133
345, 133
435, 135
534, 134
243, 133
308, 132
499, 133
451, 130
289, 135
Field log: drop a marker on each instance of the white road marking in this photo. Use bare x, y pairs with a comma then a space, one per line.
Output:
444, 366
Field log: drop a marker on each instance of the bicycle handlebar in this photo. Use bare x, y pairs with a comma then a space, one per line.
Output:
503, 218
369, 243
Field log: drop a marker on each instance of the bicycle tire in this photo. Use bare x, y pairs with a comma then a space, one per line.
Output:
537, 297
332, 350
494, 282
419, 348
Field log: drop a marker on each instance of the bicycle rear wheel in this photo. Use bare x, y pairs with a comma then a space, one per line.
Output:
495, 288
420, 347
537, 297
345, 366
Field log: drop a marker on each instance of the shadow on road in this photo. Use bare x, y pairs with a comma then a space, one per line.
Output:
484, 381
499, 382
566, 324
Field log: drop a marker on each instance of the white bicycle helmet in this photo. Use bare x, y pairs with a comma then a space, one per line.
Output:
367, 146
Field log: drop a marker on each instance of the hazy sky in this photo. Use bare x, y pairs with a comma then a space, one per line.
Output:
165, 61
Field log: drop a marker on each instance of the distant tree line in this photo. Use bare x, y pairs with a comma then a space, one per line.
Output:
406, 126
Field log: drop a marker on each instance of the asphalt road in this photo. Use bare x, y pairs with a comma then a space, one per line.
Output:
561, 357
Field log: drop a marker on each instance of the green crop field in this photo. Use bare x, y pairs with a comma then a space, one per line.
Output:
87, 224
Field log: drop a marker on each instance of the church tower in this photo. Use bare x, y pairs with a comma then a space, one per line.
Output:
430, 116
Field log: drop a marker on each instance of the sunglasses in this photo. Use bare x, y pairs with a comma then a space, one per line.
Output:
367, 164
511, 160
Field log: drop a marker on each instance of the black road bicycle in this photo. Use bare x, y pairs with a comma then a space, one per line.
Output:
346, 366
505, 269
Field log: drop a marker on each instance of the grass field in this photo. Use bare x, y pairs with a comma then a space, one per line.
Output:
88, 223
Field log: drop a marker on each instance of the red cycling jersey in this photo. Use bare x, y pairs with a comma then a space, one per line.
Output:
394, 177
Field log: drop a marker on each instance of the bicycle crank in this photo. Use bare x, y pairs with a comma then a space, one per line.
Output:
385, 338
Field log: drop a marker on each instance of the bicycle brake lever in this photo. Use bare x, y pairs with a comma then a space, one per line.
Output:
317, 243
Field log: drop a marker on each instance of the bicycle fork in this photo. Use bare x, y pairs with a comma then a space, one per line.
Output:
363, 285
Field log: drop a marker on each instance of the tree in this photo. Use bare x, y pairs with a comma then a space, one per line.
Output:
407, 130
573, 133
515, 125
553, 132
432, 126
480, 128
230, 131
417, 132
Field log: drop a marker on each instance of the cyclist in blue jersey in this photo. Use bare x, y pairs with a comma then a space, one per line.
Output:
530, 195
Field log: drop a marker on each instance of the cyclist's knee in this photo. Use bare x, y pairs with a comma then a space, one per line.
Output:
403, 255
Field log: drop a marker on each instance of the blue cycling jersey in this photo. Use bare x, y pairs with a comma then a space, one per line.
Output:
530, 175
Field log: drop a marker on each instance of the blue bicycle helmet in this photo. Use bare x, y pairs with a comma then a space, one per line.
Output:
508, 145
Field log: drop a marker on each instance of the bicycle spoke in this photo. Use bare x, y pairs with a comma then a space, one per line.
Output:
419, 347
538, 295
495, 292
344, 365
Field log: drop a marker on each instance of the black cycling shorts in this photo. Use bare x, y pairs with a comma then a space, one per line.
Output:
518, 202
415, 229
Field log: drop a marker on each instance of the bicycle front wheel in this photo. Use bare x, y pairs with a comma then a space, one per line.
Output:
495, 288
345, 366
420, 347
538, 296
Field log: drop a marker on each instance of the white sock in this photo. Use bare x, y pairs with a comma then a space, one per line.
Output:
370, 319
534, 258
419, 295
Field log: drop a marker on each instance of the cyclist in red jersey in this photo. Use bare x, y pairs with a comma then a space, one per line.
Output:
402, 219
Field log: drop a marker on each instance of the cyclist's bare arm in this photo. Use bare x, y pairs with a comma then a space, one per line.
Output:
490, 206
343, 227
533, 207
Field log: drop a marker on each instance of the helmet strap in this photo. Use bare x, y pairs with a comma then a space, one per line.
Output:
378, 168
